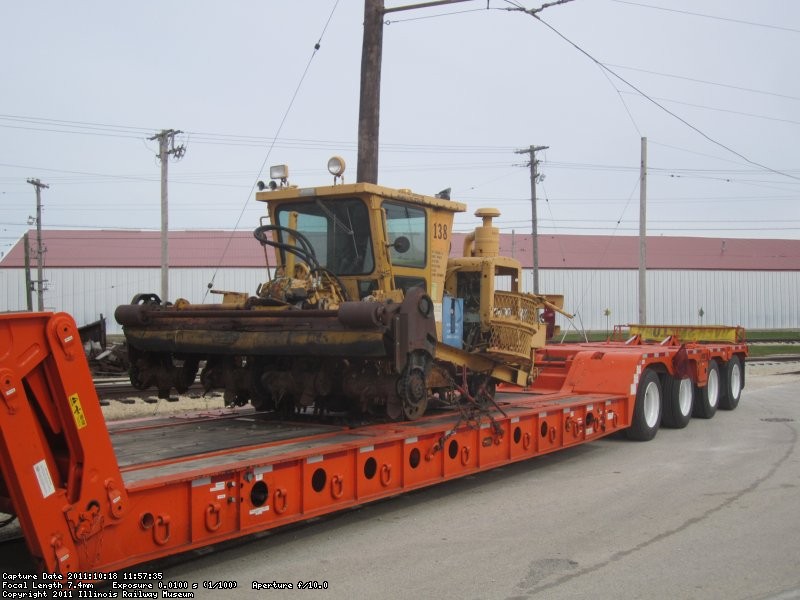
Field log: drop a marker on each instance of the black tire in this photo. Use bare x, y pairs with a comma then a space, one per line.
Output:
648, 409
706, 399
732, 384
678, 401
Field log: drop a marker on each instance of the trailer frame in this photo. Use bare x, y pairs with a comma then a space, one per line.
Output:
94, 498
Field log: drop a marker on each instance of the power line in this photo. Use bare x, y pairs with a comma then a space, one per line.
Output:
698, 227
730, 160
212, 138
203, 236
725, 110
74, 132
187, 177
269, 150
716, 17
446, 14
662, 199
705, 81
662, 107
624, 104
86, 124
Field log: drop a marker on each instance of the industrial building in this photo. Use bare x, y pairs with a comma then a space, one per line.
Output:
754, 283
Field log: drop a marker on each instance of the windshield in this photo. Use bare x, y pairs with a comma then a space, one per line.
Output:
338, 229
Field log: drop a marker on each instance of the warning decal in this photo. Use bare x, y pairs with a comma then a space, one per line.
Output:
77, 411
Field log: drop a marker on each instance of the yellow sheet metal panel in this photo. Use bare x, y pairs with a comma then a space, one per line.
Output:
354, 189
689, 333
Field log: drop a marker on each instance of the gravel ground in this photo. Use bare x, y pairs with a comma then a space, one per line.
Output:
116, 410
762, 375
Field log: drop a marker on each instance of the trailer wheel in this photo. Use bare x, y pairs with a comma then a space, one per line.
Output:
708, 397
678, 401
732, 384
647, 410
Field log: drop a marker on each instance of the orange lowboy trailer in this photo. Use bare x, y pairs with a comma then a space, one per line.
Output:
93, 497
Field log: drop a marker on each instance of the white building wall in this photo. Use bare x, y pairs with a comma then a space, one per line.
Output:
88, 293
752, 299
755, 300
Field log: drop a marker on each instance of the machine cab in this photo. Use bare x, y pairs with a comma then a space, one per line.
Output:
375, 240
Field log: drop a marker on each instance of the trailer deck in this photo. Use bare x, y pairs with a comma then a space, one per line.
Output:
95, 498
185, 445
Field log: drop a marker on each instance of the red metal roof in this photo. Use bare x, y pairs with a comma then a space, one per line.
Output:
113, 248
682, 253
106, 248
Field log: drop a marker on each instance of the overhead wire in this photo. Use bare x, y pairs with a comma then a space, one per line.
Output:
555, 227
123, 131
229, 139
624, 104
617, 227
446, 14
705, 81
647, 97
317, 46
730, 160
715, 17
717, 109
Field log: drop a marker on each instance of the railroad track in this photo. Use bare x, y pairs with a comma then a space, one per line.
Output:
774, 358
120, 389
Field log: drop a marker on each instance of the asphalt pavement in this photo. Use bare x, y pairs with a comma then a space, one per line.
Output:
710, 511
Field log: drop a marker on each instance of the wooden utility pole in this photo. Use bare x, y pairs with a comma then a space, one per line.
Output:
643, 235
534, 166
39, 248
370, 102
28, 281
166, 146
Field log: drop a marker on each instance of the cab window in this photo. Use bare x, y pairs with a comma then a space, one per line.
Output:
403, 220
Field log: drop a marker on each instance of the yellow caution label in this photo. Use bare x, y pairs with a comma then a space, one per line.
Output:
77, 411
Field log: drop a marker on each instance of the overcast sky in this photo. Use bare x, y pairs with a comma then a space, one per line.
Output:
84, 84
